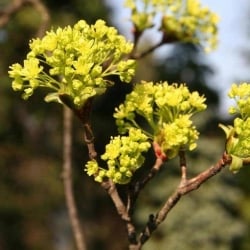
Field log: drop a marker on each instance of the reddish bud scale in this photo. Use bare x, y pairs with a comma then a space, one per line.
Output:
158, 151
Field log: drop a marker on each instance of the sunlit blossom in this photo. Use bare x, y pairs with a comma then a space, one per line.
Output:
78, 60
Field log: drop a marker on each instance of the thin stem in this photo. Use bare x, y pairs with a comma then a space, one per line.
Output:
183, 166
67, 180
164, 40
110, 187
148, 51
84, 115
139, 185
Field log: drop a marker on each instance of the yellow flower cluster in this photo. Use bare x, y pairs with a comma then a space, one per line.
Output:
167, 111
188, 21
123, 156
176, 135
182, 20
241, 94
74, 62
238, 136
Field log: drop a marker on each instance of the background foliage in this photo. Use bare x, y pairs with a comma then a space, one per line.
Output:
32, 209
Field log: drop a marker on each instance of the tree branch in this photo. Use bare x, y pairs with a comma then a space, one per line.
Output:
109, 186
84, 115
165, 39
67, 181
147, 52
184, 187
111, 189
135, 189
16, 5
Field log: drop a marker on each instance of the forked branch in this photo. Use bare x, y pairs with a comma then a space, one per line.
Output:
185, 186
108, 185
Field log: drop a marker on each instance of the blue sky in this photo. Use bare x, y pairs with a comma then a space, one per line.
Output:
228, 60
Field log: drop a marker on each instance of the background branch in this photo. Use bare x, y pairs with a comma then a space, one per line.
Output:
16, 5
67, 180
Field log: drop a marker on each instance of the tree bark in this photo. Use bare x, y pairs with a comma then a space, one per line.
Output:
67, 181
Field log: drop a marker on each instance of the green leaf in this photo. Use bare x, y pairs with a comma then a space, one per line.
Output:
227, 129
52, 97
236, 164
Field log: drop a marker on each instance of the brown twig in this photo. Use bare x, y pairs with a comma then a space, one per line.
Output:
184, 187
148, 51
67, 180
165, 39
84, 115
135, 189
111, 189
16, 5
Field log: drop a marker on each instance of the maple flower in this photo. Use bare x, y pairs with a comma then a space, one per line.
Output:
74, 62
181, 20
167, 110
123, 156
238, 135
